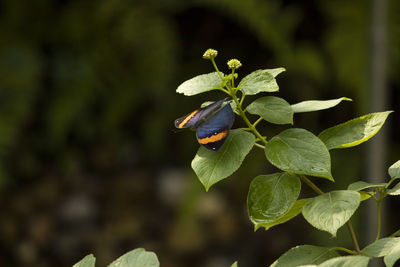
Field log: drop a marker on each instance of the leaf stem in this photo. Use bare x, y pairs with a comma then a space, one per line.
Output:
345, 250
378, 211
353, 236
348, 223
216, 68
233, 78
260, 146
311, 184
257, 121
246, 120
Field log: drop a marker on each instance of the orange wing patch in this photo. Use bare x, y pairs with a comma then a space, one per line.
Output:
187, 118
213, 138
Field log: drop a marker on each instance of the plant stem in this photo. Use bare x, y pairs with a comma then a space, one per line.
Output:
353, 236
216, 68
379, 204
246, 120
348, 223
257, 121
345, 250
233, 78
311, 184
260, 146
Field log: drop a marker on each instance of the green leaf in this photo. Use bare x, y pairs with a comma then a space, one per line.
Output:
314, 105
353, 132
397, 233
200, 84
88, 261
392, 258
211, 167
271, 196
304, 254
365, 195
136, 258
273, 109
328, 212
299, 151
276, 71
394, 170
389, 247
395, 190
293, 212
235, 264
381, 247
361, 185
259, 81
346, 261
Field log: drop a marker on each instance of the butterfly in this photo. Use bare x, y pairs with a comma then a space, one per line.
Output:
212, 123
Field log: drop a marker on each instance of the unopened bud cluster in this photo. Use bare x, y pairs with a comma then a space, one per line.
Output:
210, 53
234, 64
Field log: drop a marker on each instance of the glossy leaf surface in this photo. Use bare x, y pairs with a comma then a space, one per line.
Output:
353, 132
259, 81
88, 261
200, 84
136, 258
305, 254
330, 211
346, 261
314, 105
273, 109
211, 166
271, 196
301, 152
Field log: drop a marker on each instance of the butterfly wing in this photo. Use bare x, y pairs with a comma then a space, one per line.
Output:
199, 116
213, 133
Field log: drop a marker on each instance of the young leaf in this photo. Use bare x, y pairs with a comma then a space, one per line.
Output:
328, 212
394, 170
211, 167
88, 261
136, 258
365, 195
293, 212
346, 261
259, 81
235, 264
353, 132
314, 105
305, 254
388, 247
271, 196
200, 84
273, 109
299, 151
395, 190
361, 185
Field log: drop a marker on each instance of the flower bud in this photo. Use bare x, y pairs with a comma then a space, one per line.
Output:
234, 64
210, 54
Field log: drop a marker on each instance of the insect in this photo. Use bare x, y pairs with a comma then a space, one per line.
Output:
212, 123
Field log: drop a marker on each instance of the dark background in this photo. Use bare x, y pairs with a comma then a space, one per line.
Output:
89, 161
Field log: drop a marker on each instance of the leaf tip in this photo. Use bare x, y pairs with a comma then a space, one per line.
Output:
347, 99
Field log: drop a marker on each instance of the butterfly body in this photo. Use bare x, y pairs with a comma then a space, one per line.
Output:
212, 124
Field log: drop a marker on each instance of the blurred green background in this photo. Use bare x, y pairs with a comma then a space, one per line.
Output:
89, 161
